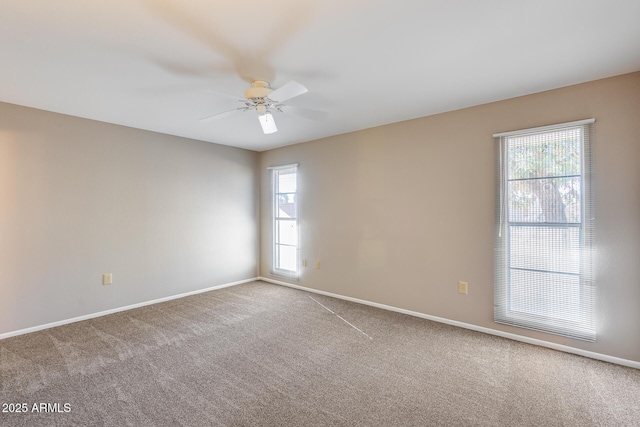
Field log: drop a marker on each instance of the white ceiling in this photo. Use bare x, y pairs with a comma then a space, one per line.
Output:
147, 63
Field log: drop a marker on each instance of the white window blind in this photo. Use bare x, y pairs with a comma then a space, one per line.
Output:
544, 263
285, 220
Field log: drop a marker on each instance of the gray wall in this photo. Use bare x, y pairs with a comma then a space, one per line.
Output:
399, 214
80, 198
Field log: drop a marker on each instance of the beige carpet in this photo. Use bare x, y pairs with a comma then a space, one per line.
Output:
264, 355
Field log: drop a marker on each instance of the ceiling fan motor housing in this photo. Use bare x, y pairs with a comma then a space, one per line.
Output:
258, 89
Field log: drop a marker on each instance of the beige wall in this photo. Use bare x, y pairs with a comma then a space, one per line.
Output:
80, 198
400, 213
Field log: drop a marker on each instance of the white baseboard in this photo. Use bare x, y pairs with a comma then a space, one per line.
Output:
119, 309
534, 341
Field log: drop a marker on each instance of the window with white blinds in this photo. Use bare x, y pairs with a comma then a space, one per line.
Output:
285, 220
544, 275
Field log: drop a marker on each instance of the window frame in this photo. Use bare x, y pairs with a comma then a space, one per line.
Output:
583, 326
277, 221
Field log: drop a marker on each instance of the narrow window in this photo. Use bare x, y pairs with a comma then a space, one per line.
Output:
544, 275
285, 220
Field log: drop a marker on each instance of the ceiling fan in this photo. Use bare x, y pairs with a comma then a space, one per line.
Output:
265, 101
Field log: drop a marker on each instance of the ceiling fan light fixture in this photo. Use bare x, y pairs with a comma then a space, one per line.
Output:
268, 123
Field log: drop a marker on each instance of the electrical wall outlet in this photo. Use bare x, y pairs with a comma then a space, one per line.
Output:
107, 279
318, 265
304, 262
463, 288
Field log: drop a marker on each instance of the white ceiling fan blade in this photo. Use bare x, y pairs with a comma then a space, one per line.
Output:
221, 115
288, 91
267, 123
306, 113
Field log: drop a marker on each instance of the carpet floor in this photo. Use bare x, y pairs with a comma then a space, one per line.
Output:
264, 355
